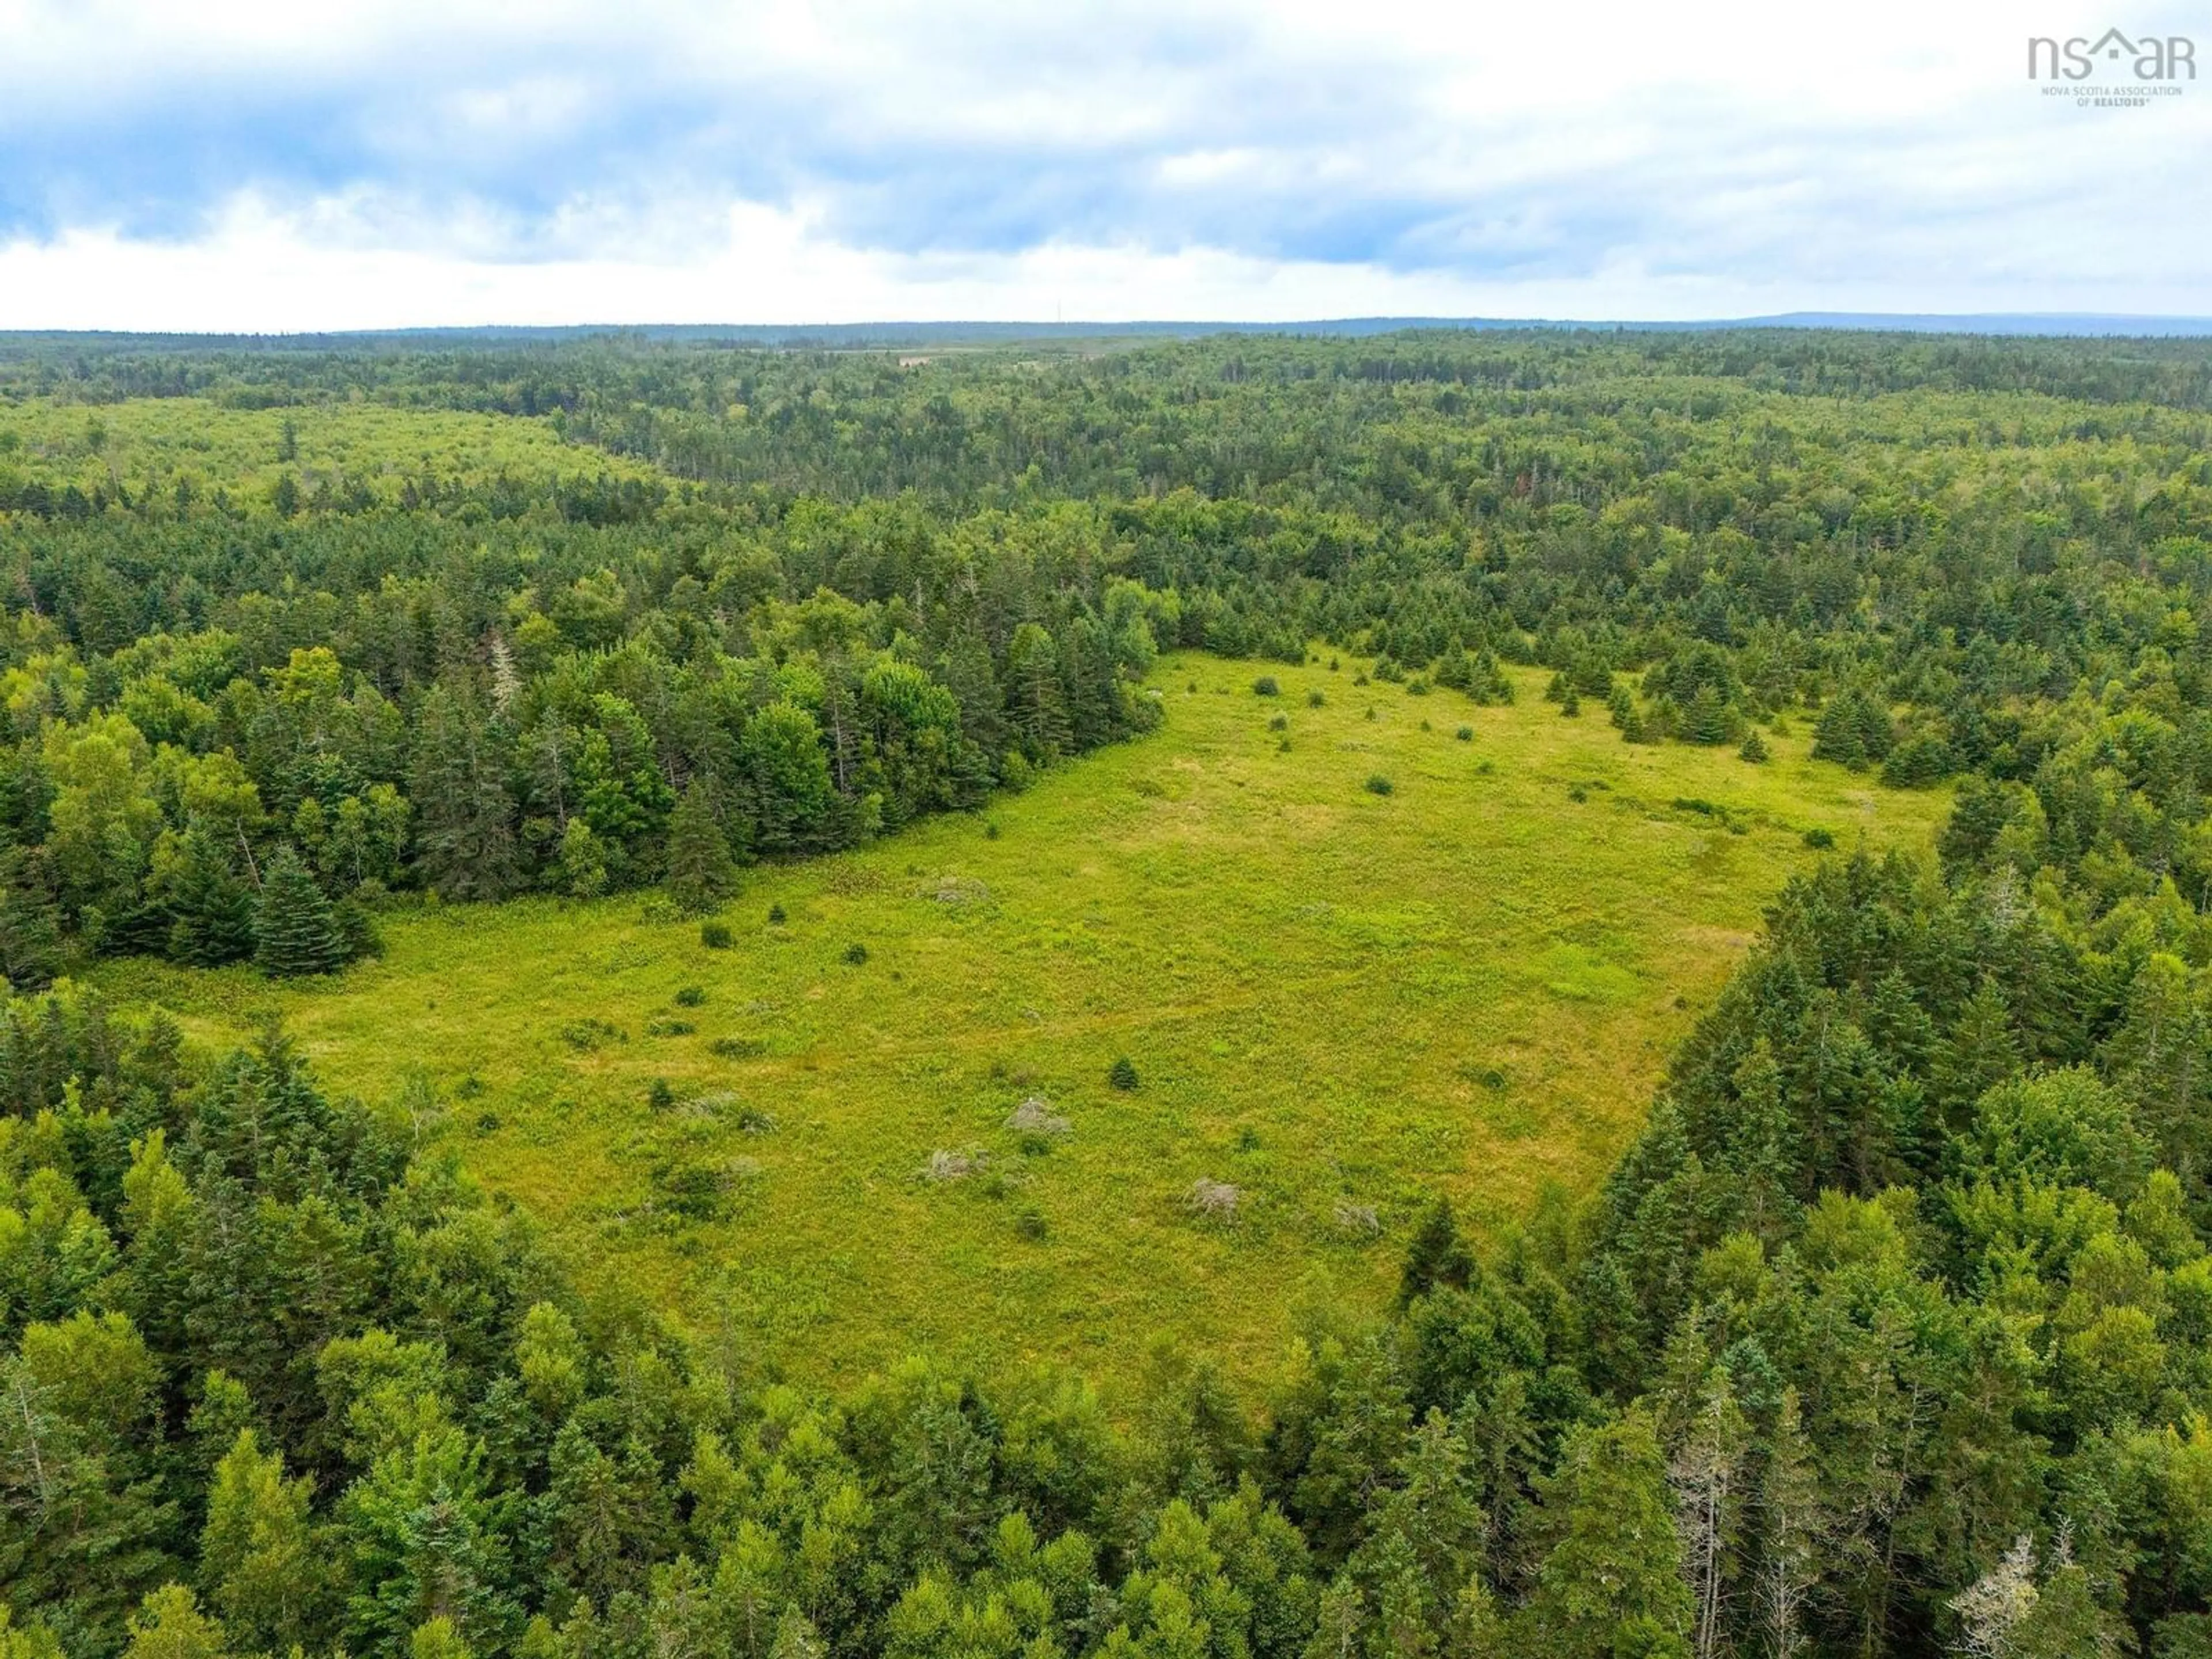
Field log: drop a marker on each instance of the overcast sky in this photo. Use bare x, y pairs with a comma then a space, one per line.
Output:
227, 164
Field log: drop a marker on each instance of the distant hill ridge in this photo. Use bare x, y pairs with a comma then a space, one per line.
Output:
888, 334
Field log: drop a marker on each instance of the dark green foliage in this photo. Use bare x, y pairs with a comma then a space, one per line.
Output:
690, 996
1265, 686
1705, 717
1379, 785
1854, 729
855, 954
213, 910
714, 935
1753, 748
1916, 764
1818, 839
1437, 1258
295, 930
701, 873
1122, 1074
775, 916
465, 808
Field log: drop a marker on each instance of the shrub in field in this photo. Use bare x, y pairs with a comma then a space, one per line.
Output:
696, 1188
1379, 785
692, 996
587, 1034
1280, 723
855, 954
1315, 699
1265, 686
1820, 839
1122, 1073
714, 935
737, 1047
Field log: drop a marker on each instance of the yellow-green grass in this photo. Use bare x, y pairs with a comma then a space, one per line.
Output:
1337, 1001
150, 443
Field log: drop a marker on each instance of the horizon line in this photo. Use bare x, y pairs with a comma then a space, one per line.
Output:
1990, 324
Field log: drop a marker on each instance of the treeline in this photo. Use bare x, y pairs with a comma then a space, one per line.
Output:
448, 734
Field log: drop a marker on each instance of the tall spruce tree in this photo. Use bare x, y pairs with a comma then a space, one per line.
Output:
465, 810
212, 909
1613, 1580
294, 930
701, 872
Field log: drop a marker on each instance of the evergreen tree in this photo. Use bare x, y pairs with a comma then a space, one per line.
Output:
1614, 1573
1705, 719
294, 929
464, 808
1437, 1255
1035, 698
213, 910
701, 874
1790, 1528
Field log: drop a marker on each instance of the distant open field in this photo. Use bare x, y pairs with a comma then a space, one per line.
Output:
152, 443
1337, 1002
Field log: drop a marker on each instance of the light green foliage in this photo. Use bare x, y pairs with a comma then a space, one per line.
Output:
345, 453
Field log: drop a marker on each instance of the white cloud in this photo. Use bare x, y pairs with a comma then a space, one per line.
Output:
239, 164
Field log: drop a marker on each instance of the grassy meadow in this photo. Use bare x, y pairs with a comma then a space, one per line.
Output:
149, 444
1337, 1002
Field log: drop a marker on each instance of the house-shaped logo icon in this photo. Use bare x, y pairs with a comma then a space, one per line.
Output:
2168, 57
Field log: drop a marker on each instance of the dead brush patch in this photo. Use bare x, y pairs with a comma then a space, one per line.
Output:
1358, 1219
1212, 1200
945, 1167
1034, 1116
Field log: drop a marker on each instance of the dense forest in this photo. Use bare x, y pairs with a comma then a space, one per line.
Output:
1891, 1336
